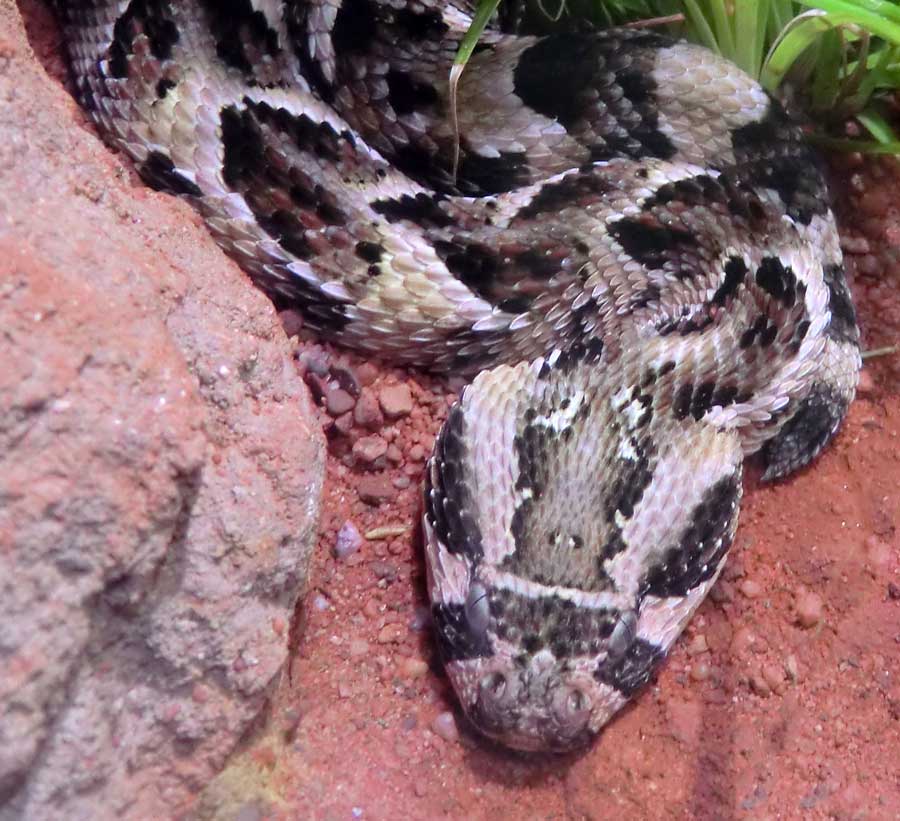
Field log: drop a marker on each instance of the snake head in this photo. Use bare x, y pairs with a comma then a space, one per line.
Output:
527, 702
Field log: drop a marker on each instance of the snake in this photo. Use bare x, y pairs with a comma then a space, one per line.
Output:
618, 238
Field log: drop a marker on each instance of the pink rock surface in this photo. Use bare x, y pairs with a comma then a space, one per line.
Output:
160, 474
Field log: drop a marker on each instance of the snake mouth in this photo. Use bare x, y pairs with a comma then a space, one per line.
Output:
544, 707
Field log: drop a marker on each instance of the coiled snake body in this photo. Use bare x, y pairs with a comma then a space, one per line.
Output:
634, 253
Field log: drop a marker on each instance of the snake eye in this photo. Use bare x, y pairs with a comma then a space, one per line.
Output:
478, 613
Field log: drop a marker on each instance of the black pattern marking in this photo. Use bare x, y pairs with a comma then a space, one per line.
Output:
600, 80
631, 478
811, 426
422, 209
354, 27
246, 170
407, 94
420, 25
702, 546
653, 245
735, 272
576, 190
550, 621
457, 640
370, 252
631, 671
480, 175
777, 280
842, 327
159, 171
449, 505
772, 153
241, 33
149, 17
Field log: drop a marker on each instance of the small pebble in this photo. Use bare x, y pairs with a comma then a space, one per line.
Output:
774, 677
384, 570
750, 588
413, 668
444, 725
792, 668
372, 609
421, 619
391, 633
367, 413
343, 424
346, 379
319, 602
866, 386
348, 541
291, 321
420, 788
366, 373
394, 454
700, 671
808, 607
369, 449
743, 641
760, 685
374, 490
395, 400
358, 647
338, 402
416, 453
698, 645
315, 362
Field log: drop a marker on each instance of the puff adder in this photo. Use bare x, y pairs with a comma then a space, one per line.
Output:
636, 262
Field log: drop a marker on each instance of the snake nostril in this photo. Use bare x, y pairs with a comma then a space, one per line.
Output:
577, 701
494, 685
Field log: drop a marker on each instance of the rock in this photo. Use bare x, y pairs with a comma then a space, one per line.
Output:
412, 668
338, 402
291, 321
750, 588
697, 645
369, 449
152, 411
391, 634
348, 541
346, 379
808, 607
366, 373
395, 400
444, 725
367, 413
374, 490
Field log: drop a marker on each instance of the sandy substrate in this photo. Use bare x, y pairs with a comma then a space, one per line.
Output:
782, 700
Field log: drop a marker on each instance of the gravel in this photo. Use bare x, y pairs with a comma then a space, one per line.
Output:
348, 541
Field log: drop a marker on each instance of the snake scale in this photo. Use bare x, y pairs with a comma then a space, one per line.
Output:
632, 254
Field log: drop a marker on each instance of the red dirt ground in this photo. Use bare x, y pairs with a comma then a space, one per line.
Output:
782, 700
